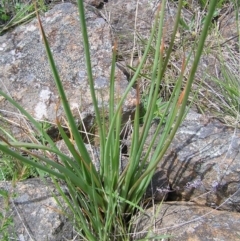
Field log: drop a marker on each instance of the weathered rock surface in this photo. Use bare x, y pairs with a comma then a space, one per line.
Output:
25, 73
203, 163
36, 214
189, 222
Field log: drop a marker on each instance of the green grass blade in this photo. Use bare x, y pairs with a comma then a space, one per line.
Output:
31, 162
67, 110
89, 67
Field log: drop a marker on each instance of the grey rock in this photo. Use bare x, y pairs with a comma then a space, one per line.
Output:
202, 163
36, 214
25, 72
187, 221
